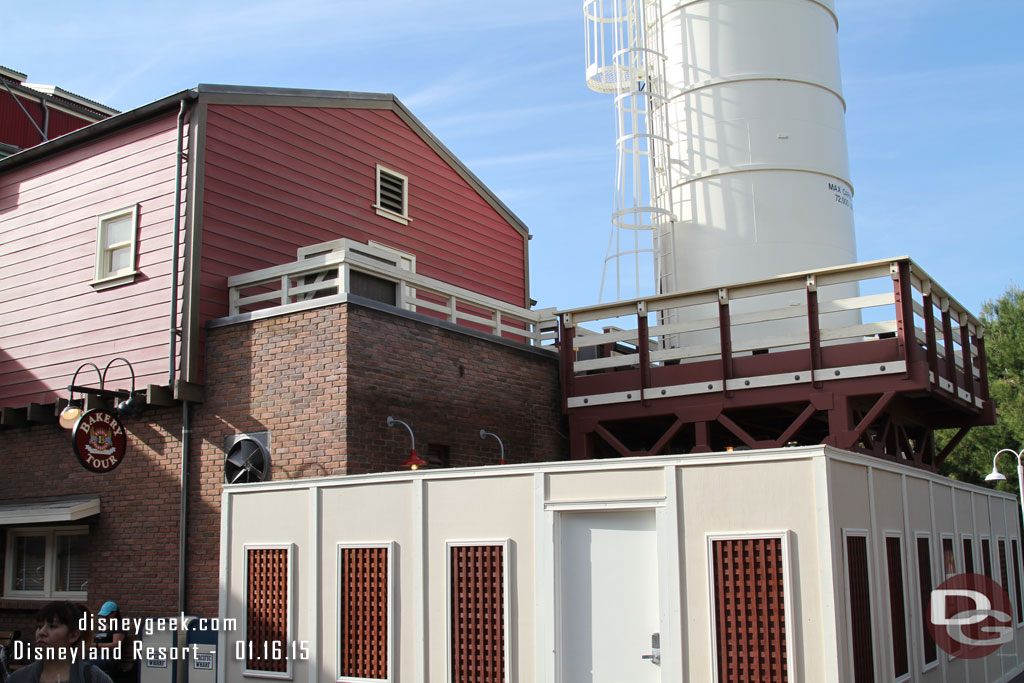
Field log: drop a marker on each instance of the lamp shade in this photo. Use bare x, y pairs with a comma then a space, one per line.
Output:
414, 462
130, 407
69, 416
994, 475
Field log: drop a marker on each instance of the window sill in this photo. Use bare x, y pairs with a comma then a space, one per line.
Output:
33, 602
115, 281
23, 603
397, 217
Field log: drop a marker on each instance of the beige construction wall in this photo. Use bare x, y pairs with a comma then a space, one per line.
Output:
808, 496
881, 499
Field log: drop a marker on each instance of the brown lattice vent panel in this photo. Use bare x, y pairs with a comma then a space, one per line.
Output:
267, 609
750, 617
897, 606
924, 583
860, 609
478, 614
1016, 581
364, 613
1003, 580
968, 556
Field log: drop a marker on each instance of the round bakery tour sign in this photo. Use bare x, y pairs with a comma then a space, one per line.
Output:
99, 441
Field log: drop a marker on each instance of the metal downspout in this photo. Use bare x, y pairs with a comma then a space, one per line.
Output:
179, 154
186, 437
186, 428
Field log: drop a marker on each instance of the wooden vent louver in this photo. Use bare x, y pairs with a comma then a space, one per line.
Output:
1003, 575
267, 608
364, 613
1016, 582
392, 193
924, 584
968, 556
750, 617
478, 614
860, 609
897, 606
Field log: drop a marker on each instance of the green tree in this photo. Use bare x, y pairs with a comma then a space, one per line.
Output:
971, 460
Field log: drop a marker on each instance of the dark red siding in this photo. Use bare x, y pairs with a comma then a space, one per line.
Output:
16, 128
51, 319
278, 178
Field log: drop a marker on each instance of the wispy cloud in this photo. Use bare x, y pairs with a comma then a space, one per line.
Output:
476, 121
563, 157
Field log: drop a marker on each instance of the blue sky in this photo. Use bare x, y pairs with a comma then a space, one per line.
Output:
933, 89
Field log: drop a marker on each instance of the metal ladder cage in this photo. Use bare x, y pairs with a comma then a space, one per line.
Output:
624, 58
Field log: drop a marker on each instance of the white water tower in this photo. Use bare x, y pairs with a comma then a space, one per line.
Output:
757, 122
753, 181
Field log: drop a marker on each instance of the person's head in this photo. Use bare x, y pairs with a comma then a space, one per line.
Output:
57, 625
109, 609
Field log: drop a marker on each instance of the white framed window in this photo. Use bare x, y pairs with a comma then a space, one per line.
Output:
366, 613
392, 195
116, 244
44, 563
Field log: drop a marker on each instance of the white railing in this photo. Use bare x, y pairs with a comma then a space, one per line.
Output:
854, 303
325, 280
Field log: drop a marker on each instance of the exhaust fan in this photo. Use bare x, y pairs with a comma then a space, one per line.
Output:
247, 461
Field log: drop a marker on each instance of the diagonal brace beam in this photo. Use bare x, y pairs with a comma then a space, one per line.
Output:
667, 436
737, 431
619, 447
797, 424
848, 439
951, 445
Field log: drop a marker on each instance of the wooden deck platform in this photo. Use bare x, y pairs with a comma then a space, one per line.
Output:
872, 357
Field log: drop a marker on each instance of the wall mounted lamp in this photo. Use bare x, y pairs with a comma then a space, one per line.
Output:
413, 462
484, 434
128, 403
995, 474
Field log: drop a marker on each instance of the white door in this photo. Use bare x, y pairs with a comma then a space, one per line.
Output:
609, 596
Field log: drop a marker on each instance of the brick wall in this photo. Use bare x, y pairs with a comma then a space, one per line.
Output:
133, 542
447, 385
322, 383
